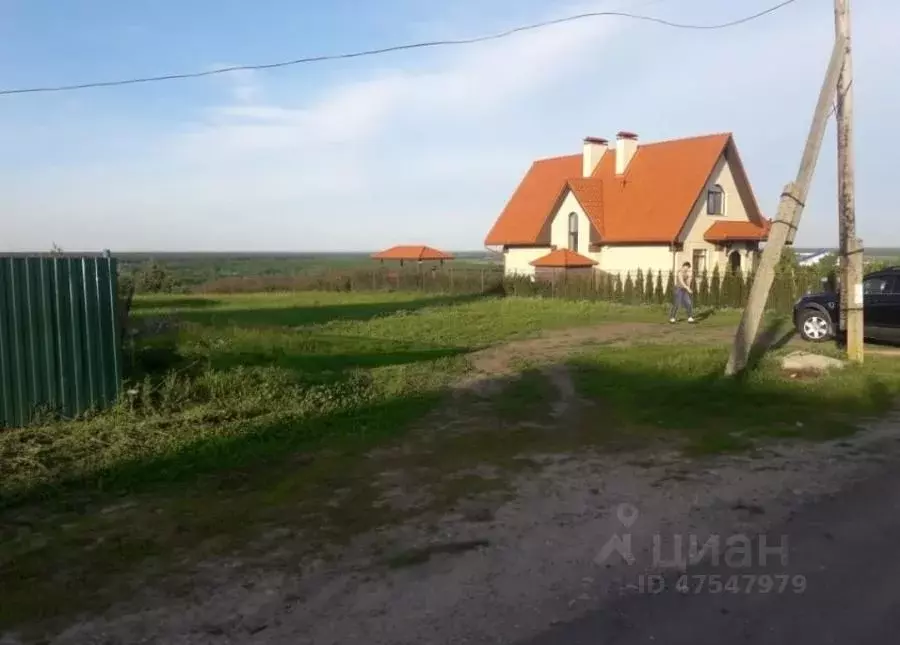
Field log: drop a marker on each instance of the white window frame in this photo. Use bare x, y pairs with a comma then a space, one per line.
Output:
572, 234
703, 254
715, 189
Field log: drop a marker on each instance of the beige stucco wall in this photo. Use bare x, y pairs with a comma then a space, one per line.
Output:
621, 259
559, 226
614, 259
516, 260
735, 210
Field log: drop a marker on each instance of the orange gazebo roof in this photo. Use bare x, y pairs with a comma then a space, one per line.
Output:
737, 231
420, 252
563, 259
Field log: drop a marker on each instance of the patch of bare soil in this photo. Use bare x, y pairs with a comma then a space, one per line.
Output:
491, 365
567, 400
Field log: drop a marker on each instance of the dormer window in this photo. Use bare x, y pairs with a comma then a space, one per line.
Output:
715, 201
573, 232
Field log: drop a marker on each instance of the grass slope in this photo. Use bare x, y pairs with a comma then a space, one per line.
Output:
252, 416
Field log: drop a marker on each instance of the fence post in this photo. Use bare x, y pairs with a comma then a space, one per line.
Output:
482, 281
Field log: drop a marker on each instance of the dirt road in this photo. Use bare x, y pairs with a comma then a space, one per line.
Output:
519, 566
842, 557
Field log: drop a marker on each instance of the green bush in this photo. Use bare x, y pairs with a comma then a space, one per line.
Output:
715, 288
153, 278
703, 289
628, 290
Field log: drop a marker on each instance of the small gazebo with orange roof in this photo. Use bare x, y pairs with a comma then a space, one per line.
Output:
419, 253
562, 261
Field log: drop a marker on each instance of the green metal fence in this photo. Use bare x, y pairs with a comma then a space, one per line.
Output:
59, 346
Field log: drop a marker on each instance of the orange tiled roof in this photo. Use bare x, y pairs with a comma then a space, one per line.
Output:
523, 219
726, 231
563, 258
589, 193
649, 203
412, 253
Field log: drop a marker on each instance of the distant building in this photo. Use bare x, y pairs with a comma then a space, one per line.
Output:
629, 206
811, 258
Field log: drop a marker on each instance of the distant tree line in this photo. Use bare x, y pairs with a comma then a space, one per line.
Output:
718, 287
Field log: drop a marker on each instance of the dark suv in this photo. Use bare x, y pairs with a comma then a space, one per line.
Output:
816, 315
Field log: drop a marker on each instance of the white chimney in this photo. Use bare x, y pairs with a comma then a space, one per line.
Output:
593, 152
626, 146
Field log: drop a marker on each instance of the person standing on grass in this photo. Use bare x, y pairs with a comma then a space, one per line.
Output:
683, 279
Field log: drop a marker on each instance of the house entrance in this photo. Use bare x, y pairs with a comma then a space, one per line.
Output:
734, 261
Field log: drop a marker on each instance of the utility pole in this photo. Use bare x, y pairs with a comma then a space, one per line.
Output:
851, 315
790, 208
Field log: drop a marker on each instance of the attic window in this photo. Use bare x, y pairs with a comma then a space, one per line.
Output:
715, 201
573, 232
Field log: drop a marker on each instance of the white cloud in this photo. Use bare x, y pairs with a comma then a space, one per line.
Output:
289, 162
429, 149
482, 78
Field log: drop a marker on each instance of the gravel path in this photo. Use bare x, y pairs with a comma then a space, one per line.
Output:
837, 584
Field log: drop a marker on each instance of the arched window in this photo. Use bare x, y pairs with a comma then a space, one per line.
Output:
715, 201
573, 231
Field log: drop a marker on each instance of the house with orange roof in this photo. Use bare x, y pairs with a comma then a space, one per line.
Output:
631, 206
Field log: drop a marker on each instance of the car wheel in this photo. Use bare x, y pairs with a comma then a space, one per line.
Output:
815, 326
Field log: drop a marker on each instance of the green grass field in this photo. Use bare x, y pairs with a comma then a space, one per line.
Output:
245, 414
221, 381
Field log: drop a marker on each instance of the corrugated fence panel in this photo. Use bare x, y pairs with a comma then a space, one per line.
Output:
7, 393
65, 365
59, 346
17, 320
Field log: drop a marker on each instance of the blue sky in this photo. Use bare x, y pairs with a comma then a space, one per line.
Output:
423, 146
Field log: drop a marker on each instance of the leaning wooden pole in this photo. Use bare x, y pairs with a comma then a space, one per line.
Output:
784, 228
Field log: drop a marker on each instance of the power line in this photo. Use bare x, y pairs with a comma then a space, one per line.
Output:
394, 48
